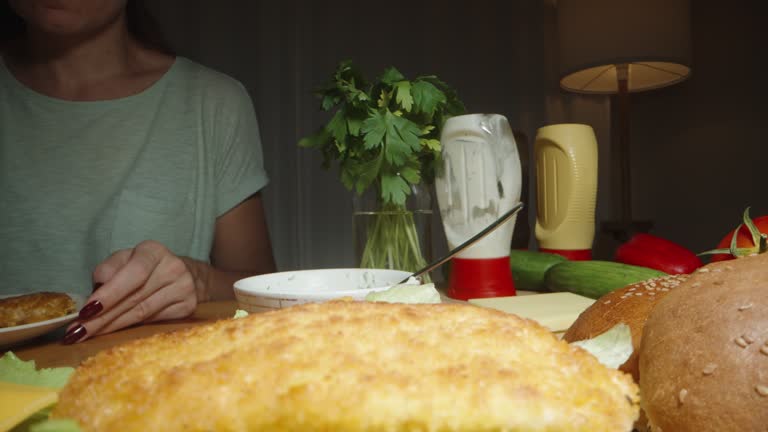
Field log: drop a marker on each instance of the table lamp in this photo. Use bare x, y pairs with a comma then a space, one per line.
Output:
618, 47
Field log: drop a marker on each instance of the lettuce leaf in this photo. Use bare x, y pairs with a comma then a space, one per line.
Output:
14, 370
17, 371
612, 348
55, 425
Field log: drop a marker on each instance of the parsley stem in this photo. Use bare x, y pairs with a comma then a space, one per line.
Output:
393, 241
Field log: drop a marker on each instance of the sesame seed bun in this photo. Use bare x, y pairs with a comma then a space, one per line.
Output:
630, 305
704, 356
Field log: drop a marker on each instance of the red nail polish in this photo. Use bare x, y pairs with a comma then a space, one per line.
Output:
74, 334
90, 310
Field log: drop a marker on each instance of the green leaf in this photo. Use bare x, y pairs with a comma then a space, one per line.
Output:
404, 98
394, 189
384, 98
734, 241
454, 106
347, 175
337, 127
739, 252
328, 102
354, 125
431, 144
317, 139
368, 172
374, 128
426, 97
387, 128
402, 139
56, 425
17, 371
411, 173
391, 75
752, 229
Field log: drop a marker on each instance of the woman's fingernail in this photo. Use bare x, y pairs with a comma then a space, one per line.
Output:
74, 334
90, 310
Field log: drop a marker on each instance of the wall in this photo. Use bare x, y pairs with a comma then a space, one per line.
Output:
490, 51
697, 147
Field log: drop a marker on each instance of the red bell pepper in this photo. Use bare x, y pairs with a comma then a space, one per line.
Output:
654, 252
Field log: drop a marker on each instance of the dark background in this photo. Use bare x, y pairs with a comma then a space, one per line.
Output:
698, 148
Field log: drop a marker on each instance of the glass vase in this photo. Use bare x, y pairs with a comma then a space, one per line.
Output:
390, 236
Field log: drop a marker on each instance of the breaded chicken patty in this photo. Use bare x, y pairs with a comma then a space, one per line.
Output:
31, 308
352, 366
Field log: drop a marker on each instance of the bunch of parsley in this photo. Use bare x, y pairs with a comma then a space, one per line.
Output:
384, 133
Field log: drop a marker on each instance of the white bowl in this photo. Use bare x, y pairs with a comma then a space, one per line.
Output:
279, 290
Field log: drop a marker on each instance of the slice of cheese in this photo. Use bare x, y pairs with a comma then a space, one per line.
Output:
18, 402
556, 311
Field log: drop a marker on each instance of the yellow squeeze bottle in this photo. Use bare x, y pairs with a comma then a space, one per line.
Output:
566, 189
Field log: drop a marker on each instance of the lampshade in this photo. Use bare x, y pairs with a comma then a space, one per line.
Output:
652, 37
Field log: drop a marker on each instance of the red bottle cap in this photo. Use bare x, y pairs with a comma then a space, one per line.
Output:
480, 278
573, 255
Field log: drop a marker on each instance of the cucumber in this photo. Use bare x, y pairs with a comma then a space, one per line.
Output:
529, 268
594, 279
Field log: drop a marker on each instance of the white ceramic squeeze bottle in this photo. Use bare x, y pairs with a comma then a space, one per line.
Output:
479, 182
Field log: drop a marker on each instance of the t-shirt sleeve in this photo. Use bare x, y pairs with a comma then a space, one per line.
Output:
239, 164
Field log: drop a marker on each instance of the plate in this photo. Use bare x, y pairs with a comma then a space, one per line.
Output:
16, 334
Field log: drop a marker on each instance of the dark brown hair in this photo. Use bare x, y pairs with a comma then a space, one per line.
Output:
141, 24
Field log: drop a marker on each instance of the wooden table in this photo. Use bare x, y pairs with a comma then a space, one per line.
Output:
49, 352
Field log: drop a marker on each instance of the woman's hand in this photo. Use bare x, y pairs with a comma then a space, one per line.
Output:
143, 284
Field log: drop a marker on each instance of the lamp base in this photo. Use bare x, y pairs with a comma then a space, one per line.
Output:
480, 278
623, 231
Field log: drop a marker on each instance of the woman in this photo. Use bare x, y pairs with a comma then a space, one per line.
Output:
122, 167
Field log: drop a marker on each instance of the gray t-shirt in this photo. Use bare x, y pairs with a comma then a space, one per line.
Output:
80, 180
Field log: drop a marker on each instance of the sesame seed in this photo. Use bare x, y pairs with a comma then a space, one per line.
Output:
764, 349
709, 369
606, 302
741, 342
651, 293
745, 307
683, 393
703, 270
762, 390
633, 288
748, 338
653, 284
638, 294
696, 284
